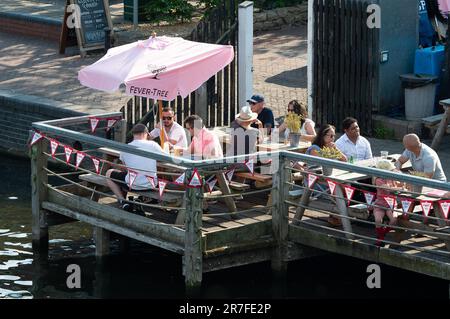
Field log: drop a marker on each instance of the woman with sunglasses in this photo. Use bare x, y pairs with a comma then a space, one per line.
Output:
325, 138
306, 125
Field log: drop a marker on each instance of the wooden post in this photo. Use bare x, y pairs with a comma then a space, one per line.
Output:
442, 126
304, 201
342, 206
193, 259
39, 181
280, 220
101, 238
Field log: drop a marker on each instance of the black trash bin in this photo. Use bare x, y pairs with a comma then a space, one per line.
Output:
420, 93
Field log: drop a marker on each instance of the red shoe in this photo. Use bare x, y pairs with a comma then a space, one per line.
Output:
381, 231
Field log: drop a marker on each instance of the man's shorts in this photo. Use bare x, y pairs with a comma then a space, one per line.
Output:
119, 177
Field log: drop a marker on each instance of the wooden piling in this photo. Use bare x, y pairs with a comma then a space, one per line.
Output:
280, 214
102, 242
193, 258
39, 181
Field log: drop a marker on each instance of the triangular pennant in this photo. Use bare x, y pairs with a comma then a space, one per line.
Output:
211, 184
445, 206
331, 185
68, 151
406, 204
370, 197
426, 206
151, 180
390, 200
53, 147
79, 158
132, 175
349, 191
162, 186
96, 164
196, 180
311, 180
110, 123
249, 165
230, 174
93, 121
180, 179
36, 137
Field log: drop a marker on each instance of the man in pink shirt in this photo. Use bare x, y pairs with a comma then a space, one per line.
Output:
205, 144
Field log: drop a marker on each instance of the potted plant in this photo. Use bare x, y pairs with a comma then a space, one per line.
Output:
330, 153
293, 123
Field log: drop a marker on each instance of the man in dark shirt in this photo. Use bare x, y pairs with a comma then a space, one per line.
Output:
265, 114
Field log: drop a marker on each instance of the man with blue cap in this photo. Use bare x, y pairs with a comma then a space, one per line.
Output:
265, 114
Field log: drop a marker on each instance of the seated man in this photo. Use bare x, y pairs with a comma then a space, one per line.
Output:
423, 158
351, 143
174, 133
244, 137
265, 115
205, 144
142, 165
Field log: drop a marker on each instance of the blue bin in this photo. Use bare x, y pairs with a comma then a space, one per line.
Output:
429, 60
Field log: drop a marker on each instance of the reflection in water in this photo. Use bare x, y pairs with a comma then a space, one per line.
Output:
148, 272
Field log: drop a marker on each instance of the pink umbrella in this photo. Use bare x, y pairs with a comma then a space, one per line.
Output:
159, 68
444, 6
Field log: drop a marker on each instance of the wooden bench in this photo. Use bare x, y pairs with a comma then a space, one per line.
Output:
171, 198
261, 180
238, 186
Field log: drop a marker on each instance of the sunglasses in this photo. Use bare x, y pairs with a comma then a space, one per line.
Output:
167, 118
331, 135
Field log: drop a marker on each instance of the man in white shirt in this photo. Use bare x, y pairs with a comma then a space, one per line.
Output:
352, 144
423, 158
119, 181
174, 133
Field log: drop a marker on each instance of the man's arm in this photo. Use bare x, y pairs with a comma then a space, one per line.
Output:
429, 166
368, 151
401, 160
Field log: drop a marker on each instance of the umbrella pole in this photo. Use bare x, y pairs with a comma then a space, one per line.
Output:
161, 132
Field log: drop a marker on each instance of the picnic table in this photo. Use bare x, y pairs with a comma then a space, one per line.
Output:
340, 200
222, 182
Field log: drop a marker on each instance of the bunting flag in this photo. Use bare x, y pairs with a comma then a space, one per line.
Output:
110, 123
230, 174
331, 185
53, 147
211, 183
370, 197
406, 204
68, 151
79, 159
93, 121
196, 180
311, 180
162, 185
132, 175
426, 206
151, 180
349, 191
390, 200
96, 164
36, 137
249, 165
445, 205
180, 179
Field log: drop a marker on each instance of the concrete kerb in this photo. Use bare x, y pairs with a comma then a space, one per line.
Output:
31, 18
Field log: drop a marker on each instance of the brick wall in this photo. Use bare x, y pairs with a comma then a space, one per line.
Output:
17, 112
30, 25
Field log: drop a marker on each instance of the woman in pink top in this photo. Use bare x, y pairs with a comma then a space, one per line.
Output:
379, 212
205, 144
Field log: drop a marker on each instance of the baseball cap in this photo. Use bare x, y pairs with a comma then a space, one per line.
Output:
257, 98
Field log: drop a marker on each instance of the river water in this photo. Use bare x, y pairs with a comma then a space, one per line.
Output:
148, 272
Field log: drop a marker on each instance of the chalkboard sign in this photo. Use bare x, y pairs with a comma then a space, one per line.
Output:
94, 17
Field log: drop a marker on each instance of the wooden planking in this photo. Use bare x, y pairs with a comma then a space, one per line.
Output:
420, 263
113, 227
117, 216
